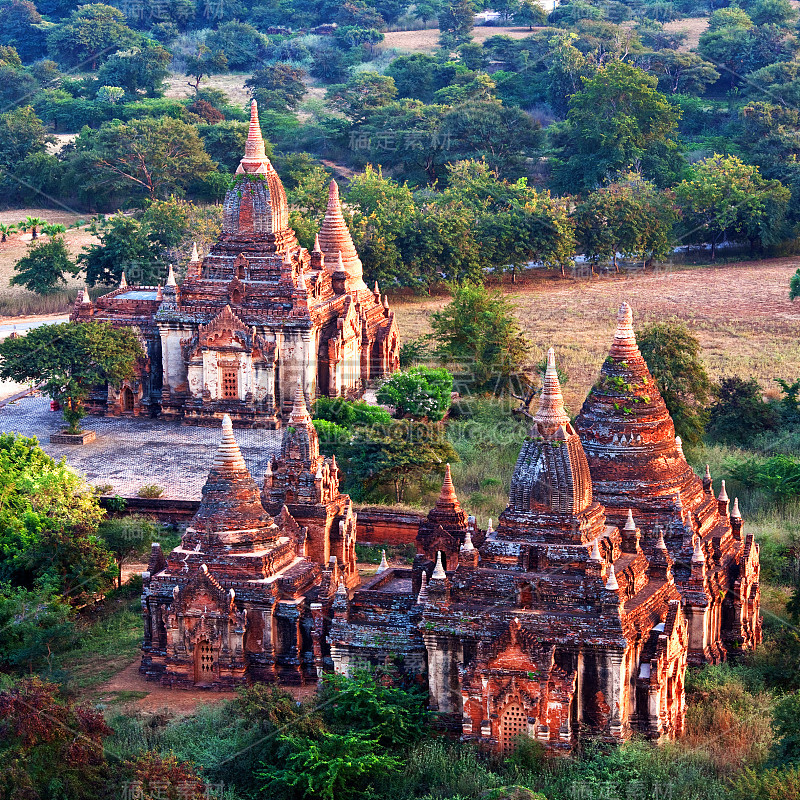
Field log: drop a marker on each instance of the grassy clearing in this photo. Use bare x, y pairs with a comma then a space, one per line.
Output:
108, 640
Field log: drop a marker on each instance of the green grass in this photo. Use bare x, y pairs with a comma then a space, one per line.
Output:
108, 641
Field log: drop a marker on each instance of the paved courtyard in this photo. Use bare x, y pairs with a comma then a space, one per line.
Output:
130, 453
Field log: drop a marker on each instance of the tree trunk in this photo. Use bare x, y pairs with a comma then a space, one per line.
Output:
713, 250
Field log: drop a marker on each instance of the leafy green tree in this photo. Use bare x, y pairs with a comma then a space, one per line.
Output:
7, 230
50, 742
44, 266
140, 69
739, 412
124, 246
156, 157
686, 73
224, 142
631, 217
530, 13
20, 27
614, 121
456, 21
426, 9
22, 133
567, 66
350, 414
89, 35
205, 62
419, 75
397, 455
728, 199
70, 359
241, 43
419, 392
126, 537
32, 224
794, 286
35, 624
478, 331
673, 358
281, 86
361, 95
772, 12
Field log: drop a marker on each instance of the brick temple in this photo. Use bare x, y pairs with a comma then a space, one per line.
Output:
248, 594
612, 567
255, 316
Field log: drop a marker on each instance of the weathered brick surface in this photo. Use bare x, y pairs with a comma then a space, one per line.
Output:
253, 317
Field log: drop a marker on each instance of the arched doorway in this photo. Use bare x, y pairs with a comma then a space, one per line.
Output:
513, 722
204, 662
127, 400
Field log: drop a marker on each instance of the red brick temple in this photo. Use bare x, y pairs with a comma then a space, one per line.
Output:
612, 567
248, 594
253, 317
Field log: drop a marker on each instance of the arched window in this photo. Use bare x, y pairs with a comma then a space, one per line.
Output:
127, 400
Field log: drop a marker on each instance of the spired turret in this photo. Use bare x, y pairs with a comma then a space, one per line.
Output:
551, 473
256, 203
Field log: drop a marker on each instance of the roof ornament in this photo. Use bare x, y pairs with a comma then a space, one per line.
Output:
86, 300
468, 546
551, 414
624, 344
384, 565
735, 513
422, 597
195, 255
123, 283
438, 572
229, 456
630, 525
611, 580
171, 277
698, 557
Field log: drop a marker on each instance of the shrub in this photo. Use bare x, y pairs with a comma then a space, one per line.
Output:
739, 412
771, 784
349, 414
778, 475
150, 491
413, 351
419, 392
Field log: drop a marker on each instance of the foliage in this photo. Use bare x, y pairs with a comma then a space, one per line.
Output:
150, 490
156, 777
739, 412
478, 332
418, 392
49, 747
350, 414
778, 475
673, 358
71, 359
127, 536
728, 199
396, 455
44, 266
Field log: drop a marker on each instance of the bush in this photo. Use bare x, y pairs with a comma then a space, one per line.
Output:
150, 491
350, 414
419, 392
777, 475
739, 412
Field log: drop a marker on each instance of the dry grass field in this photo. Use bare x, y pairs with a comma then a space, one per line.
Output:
740, 312
693, 26
426, 41
231, 83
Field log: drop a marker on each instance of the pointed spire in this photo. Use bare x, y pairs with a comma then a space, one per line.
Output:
195, 255
384, 565
335, 238
171, 277
422, 597
630, 525
660, 543
376, 291
698, 556
438, 571
624, 344
489, 528
679, 445
301, 280
611, 580
707, 487
299, 415
123, 283
735, 513
468, 546
447, 496
339, 262
228, 457
254, 146
723, 495
595, 553
85, 299
317, 248
551, 414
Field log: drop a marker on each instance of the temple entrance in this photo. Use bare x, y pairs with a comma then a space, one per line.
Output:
513, 722
204, 662
127, 401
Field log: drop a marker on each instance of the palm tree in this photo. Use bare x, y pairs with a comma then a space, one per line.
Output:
32, 224
6, 231
53, 230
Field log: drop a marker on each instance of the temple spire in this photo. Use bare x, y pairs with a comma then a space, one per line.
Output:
438, 573
228, 457
171, 277
299, 415
123, 283
551, 414
624, 344
384, 565
195, 255
447, 496
85, 299
337, 243
255, 159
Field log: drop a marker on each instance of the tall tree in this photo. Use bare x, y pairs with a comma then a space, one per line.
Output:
728, 199
614, 122
44, 267
456, 21
91, 33
71, 359
281, 86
